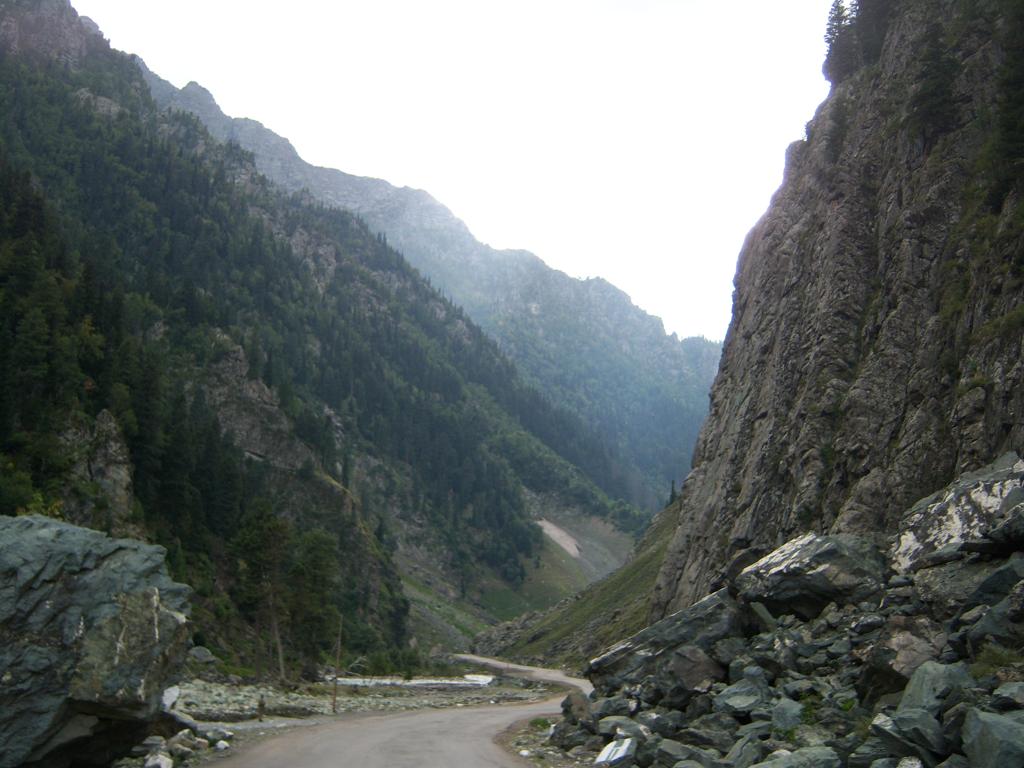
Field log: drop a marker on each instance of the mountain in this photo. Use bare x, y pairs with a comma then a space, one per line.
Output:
875, 346
259, 383
581, 342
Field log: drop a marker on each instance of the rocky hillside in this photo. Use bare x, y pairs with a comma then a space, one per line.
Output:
835, 652
262, 385
875, 349
582, 342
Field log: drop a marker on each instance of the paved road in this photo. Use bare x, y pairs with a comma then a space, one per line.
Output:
433, 738
534, 673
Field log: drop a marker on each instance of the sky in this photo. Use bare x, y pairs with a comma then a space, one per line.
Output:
634, 140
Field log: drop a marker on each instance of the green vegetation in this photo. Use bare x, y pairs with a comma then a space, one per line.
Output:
136, 253
605, 612
995, 658
1008, 155
932, 108
854, 34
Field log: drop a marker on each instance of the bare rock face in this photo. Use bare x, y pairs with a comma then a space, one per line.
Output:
874, 352
99, 493
53, 29
92, 630
251, 413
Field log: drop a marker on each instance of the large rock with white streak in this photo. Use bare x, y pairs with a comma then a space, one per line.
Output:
975, 506
92, 630
806, 574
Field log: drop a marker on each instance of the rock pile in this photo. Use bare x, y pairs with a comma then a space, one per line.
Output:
92, 630
835, 651
188, 743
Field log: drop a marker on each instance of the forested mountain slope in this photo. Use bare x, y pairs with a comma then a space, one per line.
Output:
877, 338
582, 342
259, 383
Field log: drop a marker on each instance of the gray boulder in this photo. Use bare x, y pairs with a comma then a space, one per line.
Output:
905, 643
932, 684
649, 653
618, 726
806, 574
997, 586
1009, 696
745, 696
993, 741
911, 733
93, 630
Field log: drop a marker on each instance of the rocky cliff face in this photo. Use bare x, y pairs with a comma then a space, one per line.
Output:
875, 348
92, 631
583, 342
53, 30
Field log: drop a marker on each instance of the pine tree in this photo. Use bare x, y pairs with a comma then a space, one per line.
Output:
841, 57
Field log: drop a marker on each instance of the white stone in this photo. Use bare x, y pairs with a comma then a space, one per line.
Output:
616, 751
171, 696
159, 760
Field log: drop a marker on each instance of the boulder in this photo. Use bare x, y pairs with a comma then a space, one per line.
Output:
649, 652
973, 506
742, 698
576, 709
787, 715
911, 733
92, 631
932, 684
618, 726
617, 753
745, 752
996, 627
202, 655
905, 644
806, 574
1009, 696
993, 741
997, 586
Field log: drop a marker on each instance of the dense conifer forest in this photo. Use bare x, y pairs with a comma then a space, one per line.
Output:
135, 253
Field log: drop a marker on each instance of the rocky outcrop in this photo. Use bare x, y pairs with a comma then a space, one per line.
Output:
875, 349
92, 630
250, 412
99, 483
53, 30
880, 672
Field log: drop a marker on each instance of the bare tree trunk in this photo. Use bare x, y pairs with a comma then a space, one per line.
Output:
275, 632
337, 670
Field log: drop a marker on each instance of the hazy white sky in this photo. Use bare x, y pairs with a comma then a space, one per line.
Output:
635, 140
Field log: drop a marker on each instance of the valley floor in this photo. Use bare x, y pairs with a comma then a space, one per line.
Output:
438, 724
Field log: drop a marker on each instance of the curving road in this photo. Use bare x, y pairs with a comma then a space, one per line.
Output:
433, 738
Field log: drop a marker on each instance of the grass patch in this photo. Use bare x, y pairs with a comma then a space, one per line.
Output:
607, 611
993, 659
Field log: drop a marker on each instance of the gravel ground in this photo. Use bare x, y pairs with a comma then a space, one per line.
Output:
529, 740
235, 707
218, 702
